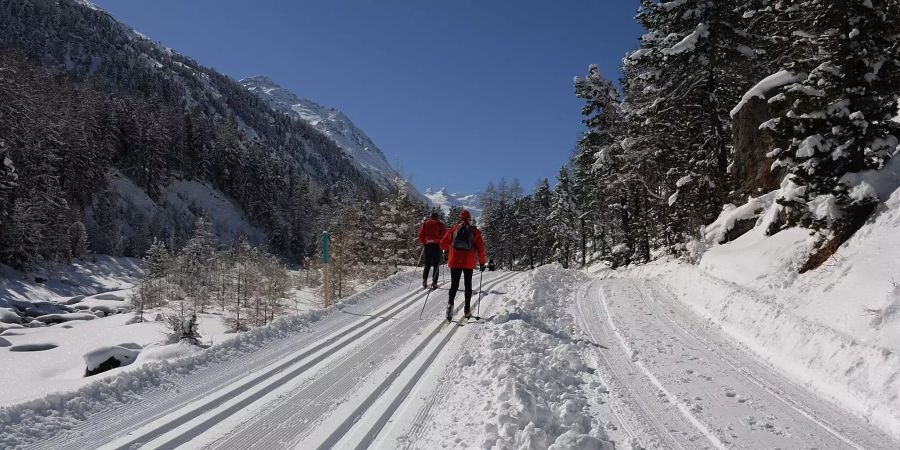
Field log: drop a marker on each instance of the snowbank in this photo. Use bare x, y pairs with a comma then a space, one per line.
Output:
524, 375
835, 329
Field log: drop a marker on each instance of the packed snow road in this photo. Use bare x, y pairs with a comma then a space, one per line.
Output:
337, 385
676, 382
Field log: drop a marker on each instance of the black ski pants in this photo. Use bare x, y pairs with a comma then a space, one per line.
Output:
455, 274
432, 259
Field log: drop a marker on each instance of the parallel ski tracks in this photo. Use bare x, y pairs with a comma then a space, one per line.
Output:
302, 410
334, 368
388, 413
153, 405
368, 324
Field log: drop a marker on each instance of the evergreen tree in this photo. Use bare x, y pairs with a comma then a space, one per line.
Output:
837, 117
681, 85
540, 217
563, 220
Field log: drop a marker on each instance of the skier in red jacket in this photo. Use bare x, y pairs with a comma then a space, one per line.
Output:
430, 234
465, 243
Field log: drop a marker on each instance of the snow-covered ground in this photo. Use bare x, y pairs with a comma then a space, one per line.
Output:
562, 359
50, 328
739, 351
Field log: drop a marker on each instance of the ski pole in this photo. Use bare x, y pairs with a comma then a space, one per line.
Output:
424, 303
417, 266
480, 293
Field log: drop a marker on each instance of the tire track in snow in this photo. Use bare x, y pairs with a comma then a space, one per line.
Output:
743, 403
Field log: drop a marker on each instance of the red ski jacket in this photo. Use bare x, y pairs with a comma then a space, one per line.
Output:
463, 259
431, 231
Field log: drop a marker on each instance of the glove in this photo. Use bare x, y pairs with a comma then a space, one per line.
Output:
481, 268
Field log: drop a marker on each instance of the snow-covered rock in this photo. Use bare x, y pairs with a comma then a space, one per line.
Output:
67, 317
8, 315
106, 358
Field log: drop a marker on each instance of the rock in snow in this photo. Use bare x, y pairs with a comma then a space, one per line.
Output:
66, 317
106, 358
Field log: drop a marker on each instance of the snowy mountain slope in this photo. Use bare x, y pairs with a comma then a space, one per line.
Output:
330, 121
179, 205
445, 200
210, 129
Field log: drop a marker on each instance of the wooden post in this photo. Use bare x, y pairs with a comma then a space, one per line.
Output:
325, 242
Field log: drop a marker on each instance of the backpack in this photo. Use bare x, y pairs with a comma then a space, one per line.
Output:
463, 237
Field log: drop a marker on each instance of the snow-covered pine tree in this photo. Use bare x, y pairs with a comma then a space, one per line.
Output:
601, 112
836, 117
563, 219
195, 262
153, 288
540, 218
681, 84
453, 214
527, 237
396, 227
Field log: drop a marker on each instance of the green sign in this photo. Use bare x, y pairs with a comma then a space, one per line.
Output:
325, 239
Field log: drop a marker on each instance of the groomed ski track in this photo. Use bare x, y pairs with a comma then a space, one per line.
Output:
337, 385
677, 382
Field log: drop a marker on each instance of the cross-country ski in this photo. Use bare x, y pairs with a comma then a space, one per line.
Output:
629, 225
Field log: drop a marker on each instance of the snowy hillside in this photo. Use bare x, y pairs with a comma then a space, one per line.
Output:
365, 155
445, 200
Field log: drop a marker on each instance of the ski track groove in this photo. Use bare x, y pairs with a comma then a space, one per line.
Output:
444, 385
210, 379
185, 436
649, 411
401, 397
295, 414
334, 438
301, 410
152, 405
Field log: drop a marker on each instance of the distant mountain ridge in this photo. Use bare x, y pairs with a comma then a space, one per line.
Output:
365, 155
444, 199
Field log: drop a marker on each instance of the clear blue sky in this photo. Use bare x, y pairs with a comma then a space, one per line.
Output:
455, 93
